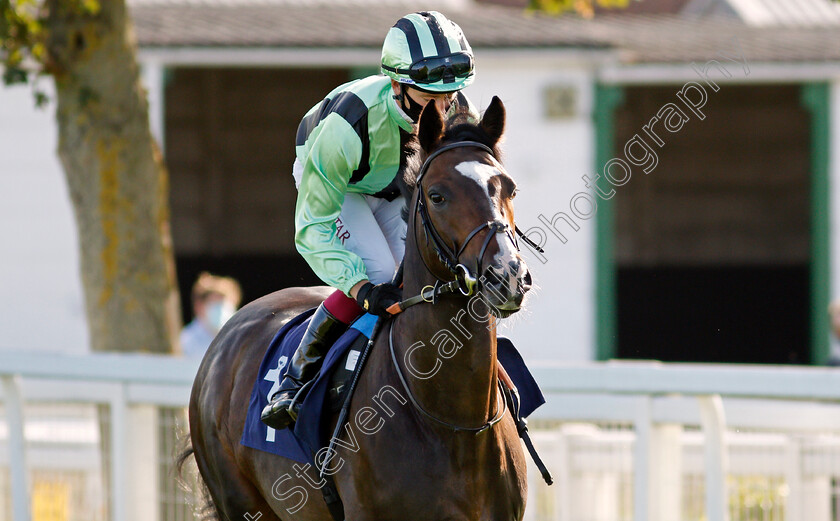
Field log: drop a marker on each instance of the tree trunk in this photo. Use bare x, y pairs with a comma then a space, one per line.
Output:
117, 179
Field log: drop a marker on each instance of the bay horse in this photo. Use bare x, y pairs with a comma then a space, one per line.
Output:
428, 436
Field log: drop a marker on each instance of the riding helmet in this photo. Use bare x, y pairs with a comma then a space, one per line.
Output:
428, 51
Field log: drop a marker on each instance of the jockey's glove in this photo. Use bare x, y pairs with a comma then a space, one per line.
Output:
376, 299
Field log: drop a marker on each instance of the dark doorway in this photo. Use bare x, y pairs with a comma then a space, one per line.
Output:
230, 137
712, 247
745, 314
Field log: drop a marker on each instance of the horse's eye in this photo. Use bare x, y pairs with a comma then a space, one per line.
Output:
436, 198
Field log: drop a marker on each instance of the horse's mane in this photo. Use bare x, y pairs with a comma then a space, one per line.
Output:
461, 126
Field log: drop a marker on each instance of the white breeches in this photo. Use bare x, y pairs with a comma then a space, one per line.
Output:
372, 228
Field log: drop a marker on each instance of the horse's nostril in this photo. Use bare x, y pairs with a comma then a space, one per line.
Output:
526, 280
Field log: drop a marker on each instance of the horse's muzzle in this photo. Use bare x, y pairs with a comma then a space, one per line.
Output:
504, 285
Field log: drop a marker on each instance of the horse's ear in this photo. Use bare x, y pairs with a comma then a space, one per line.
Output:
431, 127
493, 121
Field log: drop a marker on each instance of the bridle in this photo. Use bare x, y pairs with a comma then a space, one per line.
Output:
450, 257
465, 282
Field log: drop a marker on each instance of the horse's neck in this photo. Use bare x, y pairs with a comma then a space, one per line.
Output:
453, 372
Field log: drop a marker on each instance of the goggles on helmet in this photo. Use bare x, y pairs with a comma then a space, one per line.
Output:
432, 70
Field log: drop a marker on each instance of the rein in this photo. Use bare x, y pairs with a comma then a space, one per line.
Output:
465, 282
500, 409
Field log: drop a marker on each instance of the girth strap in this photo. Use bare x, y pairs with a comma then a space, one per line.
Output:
512, 398
332, 499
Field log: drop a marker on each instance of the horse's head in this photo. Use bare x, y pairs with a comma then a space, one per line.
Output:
463, 208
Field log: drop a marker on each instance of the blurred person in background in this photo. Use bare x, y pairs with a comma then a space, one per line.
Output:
214, 300
349, 149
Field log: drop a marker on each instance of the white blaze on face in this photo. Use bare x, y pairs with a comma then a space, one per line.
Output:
482, 173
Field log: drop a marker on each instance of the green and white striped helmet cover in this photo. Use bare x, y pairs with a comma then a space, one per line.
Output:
422, 35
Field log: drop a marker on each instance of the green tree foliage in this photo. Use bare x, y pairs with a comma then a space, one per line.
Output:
585, 8
23, 39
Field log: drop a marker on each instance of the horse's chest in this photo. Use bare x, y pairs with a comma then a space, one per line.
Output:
426, 480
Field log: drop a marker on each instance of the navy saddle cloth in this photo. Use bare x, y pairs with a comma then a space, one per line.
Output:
310, 432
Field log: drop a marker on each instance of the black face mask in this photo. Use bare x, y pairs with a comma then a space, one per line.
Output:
409, 106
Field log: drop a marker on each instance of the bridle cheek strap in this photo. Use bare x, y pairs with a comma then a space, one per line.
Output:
465, 282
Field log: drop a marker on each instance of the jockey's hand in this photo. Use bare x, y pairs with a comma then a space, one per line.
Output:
378, 298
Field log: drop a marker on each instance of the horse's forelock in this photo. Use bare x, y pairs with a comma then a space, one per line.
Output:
462, 126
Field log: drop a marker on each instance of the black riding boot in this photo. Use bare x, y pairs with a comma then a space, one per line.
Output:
323, 330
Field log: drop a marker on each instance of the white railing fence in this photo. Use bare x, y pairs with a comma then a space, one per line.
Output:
667, 442
93, 428
91, 438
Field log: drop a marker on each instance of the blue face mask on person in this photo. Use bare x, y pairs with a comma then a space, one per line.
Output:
218, 313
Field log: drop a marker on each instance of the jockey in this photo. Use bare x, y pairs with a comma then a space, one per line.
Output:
348, 221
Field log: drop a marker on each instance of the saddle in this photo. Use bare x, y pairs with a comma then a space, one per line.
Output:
325, 393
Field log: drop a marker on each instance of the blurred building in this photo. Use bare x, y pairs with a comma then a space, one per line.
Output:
676, 159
